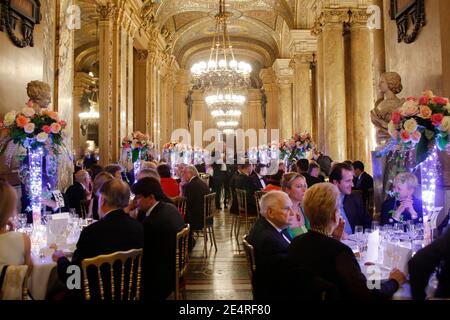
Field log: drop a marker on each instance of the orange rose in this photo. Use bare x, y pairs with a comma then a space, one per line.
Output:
22, 121
425, 112
56, 128
416, 136
52, 114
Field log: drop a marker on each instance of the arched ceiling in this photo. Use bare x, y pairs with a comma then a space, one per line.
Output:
254, 27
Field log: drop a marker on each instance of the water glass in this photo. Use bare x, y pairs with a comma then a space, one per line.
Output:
375, 225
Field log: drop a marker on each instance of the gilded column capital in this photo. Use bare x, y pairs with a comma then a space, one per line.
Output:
142, 55
330, 18
299, 59
358, 18
267, 76
107, 12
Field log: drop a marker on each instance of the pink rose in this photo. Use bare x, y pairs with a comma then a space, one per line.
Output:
405, 136
396, 118
47, 129
29, 128
437, 119
409, 109
416, 136
440, 100
30, 103
423, 101
62, 123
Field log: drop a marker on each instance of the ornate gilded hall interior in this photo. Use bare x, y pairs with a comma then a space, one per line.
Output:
328, 68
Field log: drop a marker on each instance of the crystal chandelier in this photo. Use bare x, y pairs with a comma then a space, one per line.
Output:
223, 79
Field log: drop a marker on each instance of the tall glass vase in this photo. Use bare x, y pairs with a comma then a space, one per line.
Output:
35, 162
137, 166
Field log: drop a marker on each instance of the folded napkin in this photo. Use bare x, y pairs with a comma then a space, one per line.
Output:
397, 256
373, 242
57, 216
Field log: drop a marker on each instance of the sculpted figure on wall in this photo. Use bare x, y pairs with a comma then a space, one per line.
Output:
40, 94
390, 85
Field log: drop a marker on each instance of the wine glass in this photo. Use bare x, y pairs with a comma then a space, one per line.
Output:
375, 225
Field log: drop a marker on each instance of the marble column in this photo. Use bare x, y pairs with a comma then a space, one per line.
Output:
106, 111
320, 100
303, 104
140, 114
270, 87
334, 84
361, 88
181, 92
285, 80
379, 50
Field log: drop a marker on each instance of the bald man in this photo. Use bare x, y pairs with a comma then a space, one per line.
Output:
79, 191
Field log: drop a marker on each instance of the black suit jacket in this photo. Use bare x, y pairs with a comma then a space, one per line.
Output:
364, 183
270, 256
425, 262
243, 182
195, 191
356, 212
320, 256
257, 181
161, 228
75, 194
117, 231
310, 180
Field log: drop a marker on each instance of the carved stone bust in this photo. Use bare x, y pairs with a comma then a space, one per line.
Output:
40, 94
390, 85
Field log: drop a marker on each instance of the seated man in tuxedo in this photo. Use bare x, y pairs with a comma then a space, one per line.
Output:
162, 222
270, 239
362, 180
351, 208
302, 168
115, 231
243, 181
258, 176
80, 190
194, 191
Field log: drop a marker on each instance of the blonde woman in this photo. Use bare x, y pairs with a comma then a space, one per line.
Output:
15, 247
327, 265
294, 185
402, 206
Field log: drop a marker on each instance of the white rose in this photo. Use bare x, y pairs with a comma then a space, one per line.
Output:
392, 128
42, 137
10, 118
28, 112
445, 124
410, 125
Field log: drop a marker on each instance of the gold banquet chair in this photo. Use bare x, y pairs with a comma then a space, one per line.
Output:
243, 214
130, 262
181, 262
180, 203
251, 262
258, 195
13, 283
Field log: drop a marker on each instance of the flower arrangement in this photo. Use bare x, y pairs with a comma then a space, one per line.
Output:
31, 130
419, 123
138, 143
296, 147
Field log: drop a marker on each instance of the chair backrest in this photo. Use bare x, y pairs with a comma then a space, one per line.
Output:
208, 207
84, 205
130, 269
205, 178
258, 195
13, 282
242, 201
250, 254
181, 259
180, 203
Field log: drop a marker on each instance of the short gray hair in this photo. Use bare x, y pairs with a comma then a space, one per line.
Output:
192, 170
149, 173
271, 199
406, 178
116, 193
